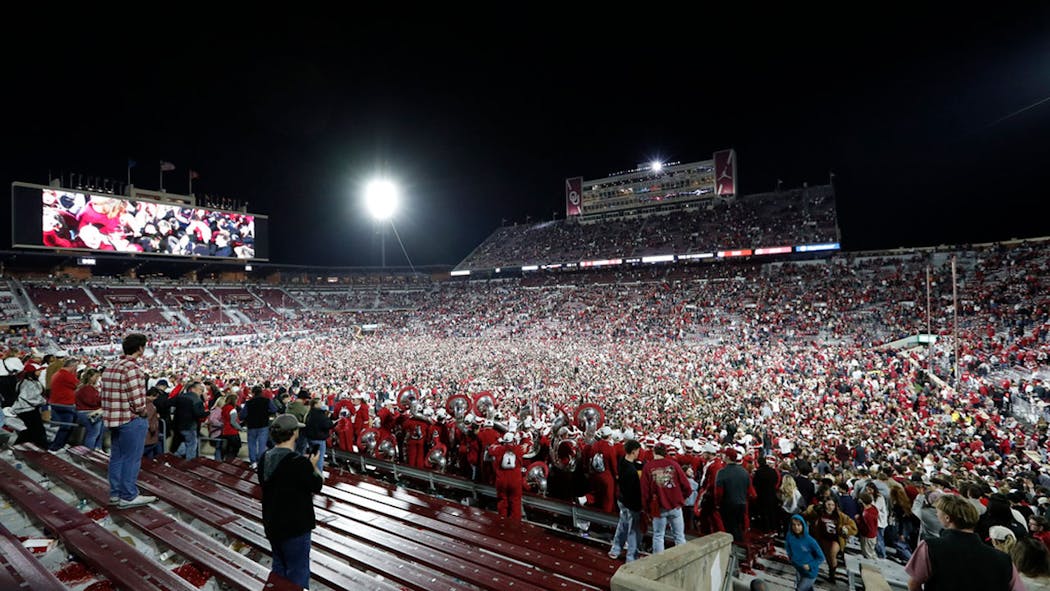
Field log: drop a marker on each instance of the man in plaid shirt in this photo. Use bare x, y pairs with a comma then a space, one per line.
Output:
123, 396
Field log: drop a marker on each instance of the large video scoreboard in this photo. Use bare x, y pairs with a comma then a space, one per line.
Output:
46, 217
652, 186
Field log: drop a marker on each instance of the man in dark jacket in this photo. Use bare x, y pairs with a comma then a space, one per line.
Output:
731, 491
187, 409
767, 505
257, 412
318, 428
289, 482
629, 528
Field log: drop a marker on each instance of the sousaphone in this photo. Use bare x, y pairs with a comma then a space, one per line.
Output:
485, 404
589, 417
458, 406
408, 398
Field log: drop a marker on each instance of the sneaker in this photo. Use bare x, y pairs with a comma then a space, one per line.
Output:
114, 500
613, 555
137, 501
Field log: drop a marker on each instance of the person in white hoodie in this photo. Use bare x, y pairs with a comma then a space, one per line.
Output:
27, 406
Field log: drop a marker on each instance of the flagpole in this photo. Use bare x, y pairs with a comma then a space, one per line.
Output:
161, 166
955, 311
189, 173
929, 330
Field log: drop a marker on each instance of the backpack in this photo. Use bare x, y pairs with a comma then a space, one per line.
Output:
598, 463
509, 461
215, 421
9, 389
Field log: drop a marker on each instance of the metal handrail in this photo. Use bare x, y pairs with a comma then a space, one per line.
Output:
438, 479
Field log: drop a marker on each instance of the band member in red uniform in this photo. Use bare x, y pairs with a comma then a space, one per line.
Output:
344, 430
487, 436
416, 429
708, 519
602, 468
507, 460
360, 415
344, 403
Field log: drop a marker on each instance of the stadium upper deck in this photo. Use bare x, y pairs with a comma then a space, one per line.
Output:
776, 221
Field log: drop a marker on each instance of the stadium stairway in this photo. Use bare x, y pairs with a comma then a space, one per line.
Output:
205, 532
769, 563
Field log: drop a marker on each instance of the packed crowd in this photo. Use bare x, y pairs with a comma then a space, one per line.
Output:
802, 216
776, 366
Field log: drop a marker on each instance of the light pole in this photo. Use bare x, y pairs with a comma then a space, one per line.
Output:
381, 200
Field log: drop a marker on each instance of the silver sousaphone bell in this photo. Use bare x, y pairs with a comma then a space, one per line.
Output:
437, 459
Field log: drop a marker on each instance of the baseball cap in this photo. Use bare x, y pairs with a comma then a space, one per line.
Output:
999, 533
286, 422
731, 454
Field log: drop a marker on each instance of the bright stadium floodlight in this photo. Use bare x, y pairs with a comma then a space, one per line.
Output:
656, 166
381, 197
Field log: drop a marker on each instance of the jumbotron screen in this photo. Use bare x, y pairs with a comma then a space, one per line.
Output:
47, 217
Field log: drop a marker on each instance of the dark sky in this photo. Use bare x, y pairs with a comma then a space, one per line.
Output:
483, 117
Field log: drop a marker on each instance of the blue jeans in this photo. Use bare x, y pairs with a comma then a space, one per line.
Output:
92, 430
257, 443
672, 517
125, 457
153, 450
628, 531
190, 446
291, 559
880, 543
804, 584
321, 443
62, 414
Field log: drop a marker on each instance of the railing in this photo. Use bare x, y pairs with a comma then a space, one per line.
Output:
436, 479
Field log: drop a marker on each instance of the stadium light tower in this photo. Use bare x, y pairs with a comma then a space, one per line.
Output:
656, 165
381, 199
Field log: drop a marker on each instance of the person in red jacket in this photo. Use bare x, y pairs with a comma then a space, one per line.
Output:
89, 408
231, 428
664, 490
602, 468
507, 464
63, 401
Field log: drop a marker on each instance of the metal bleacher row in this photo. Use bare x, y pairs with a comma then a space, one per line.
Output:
369, 535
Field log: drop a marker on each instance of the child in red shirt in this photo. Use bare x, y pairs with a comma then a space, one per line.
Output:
868, 525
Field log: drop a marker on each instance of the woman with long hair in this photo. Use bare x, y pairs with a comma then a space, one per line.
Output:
832, 529
790, 498
902, 523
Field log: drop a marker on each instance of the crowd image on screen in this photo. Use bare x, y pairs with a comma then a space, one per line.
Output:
96, 222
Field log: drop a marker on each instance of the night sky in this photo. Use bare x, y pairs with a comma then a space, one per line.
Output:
482, 120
